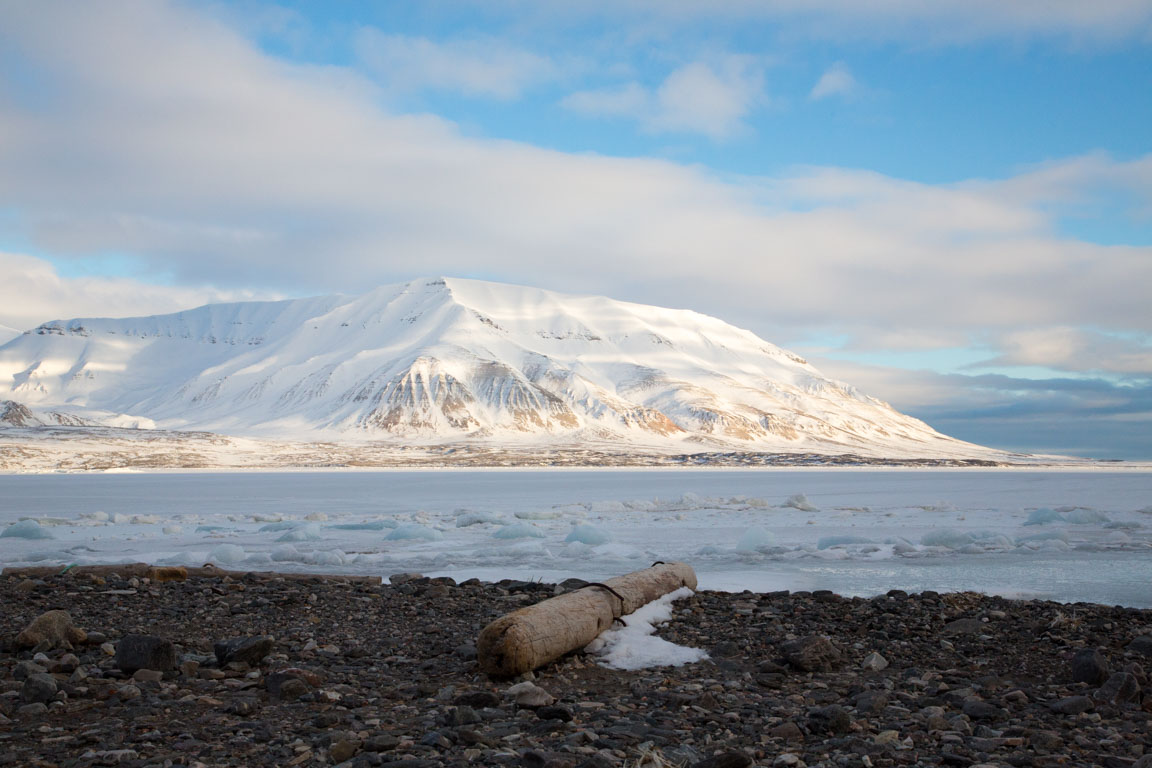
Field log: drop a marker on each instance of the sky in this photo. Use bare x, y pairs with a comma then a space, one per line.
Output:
947, 203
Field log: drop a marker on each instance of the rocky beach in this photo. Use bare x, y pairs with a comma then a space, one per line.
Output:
262, 670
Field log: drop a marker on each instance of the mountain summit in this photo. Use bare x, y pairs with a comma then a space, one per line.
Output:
447, 360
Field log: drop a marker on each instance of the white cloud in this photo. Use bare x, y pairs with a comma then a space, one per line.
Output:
712, 99
1073, 349
837, 80
478, 67
628, 100
161, 133
33, 292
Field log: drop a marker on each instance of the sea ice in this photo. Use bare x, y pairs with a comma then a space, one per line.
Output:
26, 529
754, 538
800, 502
519, 531
414, 531
537, 514
286, 553
1043, 516
282, 525
1082, 516
825, 542
226, 554
949, 538
309, 532
589, 534
476, 518
374, 525
635, 645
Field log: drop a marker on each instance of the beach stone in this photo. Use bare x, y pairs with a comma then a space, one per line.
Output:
1142, 645
1144, 762
812, 654
833, 719
25, 668
344, 750
135, 652
871, 702
725, 760
38, 687
1120, 688
31, 710
554, 713
530, 695
478, 699
147, 676
1045, 742
787, 730
982, 710
962, 627
54, 628
1071, 705
250, 650
874, 662
1090, 666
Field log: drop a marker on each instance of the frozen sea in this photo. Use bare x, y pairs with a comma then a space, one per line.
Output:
1061, 535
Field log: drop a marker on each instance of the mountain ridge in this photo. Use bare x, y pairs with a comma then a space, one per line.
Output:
439, 360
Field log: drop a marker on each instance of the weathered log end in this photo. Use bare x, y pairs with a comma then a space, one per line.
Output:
161, 574
534, 636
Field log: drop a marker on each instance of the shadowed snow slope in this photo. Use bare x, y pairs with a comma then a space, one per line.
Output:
441, 360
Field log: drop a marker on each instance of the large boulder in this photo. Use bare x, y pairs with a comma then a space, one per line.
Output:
812, 654
135, 652
1089, 666
54, 627
250, 650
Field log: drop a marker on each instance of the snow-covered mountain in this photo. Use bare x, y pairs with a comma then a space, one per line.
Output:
444, 360
7, 334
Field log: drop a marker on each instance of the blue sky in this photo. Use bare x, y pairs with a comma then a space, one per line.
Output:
947, 203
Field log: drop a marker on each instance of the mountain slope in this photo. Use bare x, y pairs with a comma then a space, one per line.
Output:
441, 360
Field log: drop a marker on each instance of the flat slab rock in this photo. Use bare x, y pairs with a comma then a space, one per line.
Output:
365, 675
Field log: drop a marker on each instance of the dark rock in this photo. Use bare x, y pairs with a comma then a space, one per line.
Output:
725, 760
38, 687
812, 654
1120, 688
276, 681
31, 710
982, 710
25, 668
788, 731
534, 758
250, 650
871, 702
962, 627
1071, 705
381, 742
1142, 645
1089, 666
726, 649
555, 712
135, 652
462, 716
467, 652
833, 719
478, 699
292, 689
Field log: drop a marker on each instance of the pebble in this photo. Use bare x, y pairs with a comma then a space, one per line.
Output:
364, 675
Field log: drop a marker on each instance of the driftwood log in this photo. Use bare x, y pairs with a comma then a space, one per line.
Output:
177, 573
531, 637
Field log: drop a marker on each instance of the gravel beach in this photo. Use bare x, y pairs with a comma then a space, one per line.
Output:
265, 671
